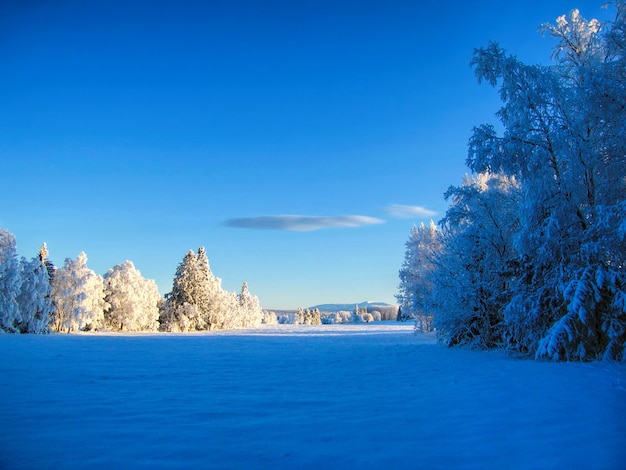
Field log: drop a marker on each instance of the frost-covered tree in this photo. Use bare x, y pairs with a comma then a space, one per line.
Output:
189, 306
309, 316
179, 310
415, 290
299, 319
35, 297
269, 318
198, 301
470, 272
10, 283
250, 311
316, 317
132, 301
563, 143
226, 309
78, 296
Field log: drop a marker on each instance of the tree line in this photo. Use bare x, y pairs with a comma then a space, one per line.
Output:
38, 297
531, 253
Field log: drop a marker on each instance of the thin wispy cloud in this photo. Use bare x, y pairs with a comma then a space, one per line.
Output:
406, 212
301, 223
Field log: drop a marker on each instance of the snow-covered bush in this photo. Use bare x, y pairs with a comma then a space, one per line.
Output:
330, 318
269, 318
361, 317
287, 319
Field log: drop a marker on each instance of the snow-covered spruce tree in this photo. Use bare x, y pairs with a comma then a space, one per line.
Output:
10, 282
250, 311
35, 297
198, 301
472, 269
310, 316
415, 289
218, 308
563, 140
307, 316
206, 293
179, 312
78, 296
316, 317
299, 319
132, 301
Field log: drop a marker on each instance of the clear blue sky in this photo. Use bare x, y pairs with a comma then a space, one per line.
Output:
139, 130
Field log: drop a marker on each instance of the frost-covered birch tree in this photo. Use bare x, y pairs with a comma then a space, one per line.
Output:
78, 296
415, 289
132, 301
470, 273
563, 142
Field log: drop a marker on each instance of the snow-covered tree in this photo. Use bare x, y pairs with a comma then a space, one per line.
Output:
299, 319
309, 316
470, 273
250, 312
188, 305
316, 317
401, 316
414, 292
35, 297
78, 296
198, 301
269, 318
563, 290
10, 283
132, 300
176, 311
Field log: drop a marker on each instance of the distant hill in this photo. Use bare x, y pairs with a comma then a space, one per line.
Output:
349, 307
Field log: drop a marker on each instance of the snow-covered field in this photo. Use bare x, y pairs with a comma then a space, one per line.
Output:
334, 396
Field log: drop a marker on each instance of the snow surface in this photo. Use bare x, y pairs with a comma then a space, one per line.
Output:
333, 396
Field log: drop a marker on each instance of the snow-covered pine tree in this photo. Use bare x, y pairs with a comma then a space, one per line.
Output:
35, 297
316, 317
299, 320
179, 307
43, 257
198, 301
78, 296
250, 311
10, 283
212, 304
132, 300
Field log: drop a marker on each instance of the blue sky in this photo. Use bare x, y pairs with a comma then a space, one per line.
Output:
140, 130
